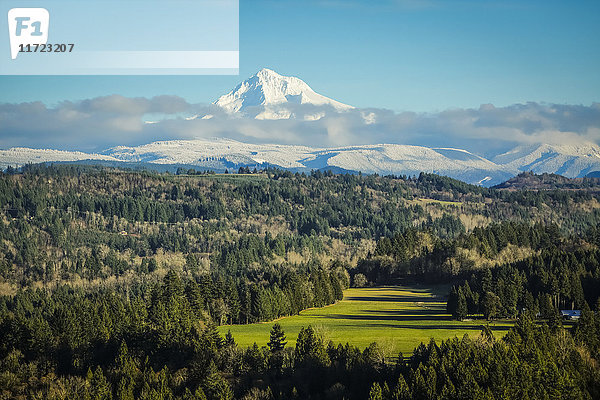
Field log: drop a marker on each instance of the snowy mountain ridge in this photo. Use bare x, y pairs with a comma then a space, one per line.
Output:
570, 160
268, 95
384, 159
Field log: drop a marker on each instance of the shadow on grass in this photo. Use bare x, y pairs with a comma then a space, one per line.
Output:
395, 298
373, 317
416, 311
452, 327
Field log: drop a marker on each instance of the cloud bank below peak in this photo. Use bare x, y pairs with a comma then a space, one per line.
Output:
98, 123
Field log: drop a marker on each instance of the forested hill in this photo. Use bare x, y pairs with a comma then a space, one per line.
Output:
113, 281
545, 181
57, 219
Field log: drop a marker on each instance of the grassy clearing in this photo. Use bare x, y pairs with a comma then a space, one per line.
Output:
397, 317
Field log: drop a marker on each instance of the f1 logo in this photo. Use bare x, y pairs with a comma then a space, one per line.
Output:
27, 26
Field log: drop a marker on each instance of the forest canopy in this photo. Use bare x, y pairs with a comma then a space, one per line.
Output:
113, 283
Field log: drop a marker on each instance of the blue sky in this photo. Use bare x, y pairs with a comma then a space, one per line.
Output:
397, 54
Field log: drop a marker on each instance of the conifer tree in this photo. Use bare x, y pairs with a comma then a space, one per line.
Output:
461, 306
277, 340
375, 393
99, 388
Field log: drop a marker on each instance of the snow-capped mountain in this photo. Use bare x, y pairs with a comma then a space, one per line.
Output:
384, 159
573, 160
266, 94
269, 95
18, 156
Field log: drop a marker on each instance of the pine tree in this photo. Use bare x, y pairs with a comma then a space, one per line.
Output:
233, 301
486, 281
212, 335
126, 370
461, 306
401, 391
310, 350
337, 287
229, 340
194, 297
215, 386
277, 341
452, 301
375, 393
246, 304
490, 305
172, 286
99, 388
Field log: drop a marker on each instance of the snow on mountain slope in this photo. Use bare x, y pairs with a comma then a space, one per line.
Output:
382, 159
576, 160
18, 156
411, 160
570, 161
268, 95
203, 152
268, 91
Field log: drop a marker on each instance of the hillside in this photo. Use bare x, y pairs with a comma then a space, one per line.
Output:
168, 217
116, 279
531, 181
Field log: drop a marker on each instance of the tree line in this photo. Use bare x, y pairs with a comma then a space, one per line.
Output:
541, 285
531, 361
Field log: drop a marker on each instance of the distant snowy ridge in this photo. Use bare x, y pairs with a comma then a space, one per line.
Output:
18, 156
573, 160
202, 152
268, 95
384, 159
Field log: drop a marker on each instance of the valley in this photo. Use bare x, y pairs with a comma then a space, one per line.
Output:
153, 285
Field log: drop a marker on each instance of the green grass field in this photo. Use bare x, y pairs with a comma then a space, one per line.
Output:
397, 317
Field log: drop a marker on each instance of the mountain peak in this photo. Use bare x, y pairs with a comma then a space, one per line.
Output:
266, 72
268, 88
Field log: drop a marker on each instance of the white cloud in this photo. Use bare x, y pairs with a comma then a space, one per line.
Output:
99, 123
